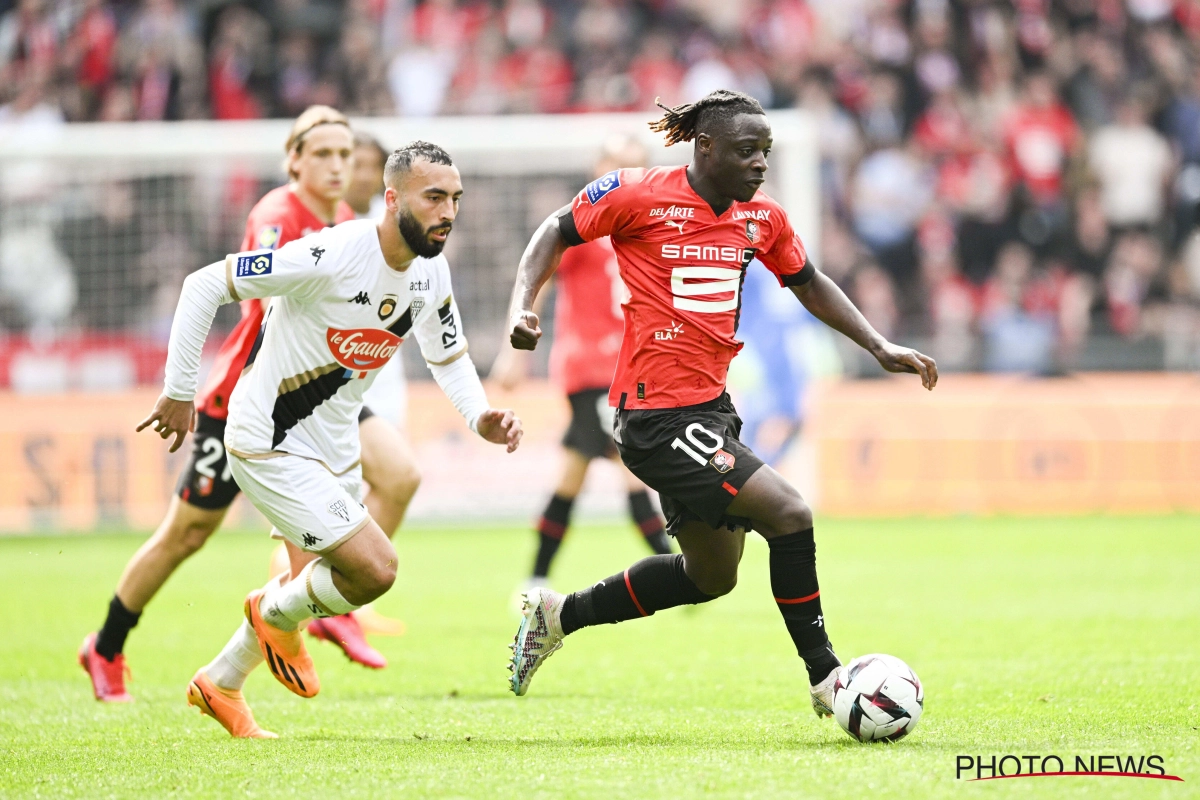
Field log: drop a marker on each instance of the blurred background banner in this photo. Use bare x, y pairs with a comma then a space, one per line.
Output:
980, 444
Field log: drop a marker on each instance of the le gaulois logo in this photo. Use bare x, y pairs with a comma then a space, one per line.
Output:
362, 348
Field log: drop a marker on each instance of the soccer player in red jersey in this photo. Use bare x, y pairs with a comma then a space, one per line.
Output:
588, 322
684, 237
319, 152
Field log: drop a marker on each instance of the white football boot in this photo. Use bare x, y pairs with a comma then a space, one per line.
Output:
822, 693
539, 636
527, 585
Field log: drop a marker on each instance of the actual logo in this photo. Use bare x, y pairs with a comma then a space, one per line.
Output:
752, 231
603, 185
387, 306
338, 509
722, 461
254, 265
268, 237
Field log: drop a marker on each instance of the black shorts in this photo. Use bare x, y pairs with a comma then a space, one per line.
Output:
590, 433
692, 457
205, 481
365, 414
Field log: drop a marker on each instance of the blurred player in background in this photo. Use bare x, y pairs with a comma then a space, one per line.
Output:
684, 237
291, 435
773, 379
319, 158
588, 324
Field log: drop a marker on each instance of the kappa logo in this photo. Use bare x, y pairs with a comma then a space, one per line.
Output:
670, 223
603, 185
722, 461
362, 298
338, 509
310, 540
317, 252
387, 306
253, 266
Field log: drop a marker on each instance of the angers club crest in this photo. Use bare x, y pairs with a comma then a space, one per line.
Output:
752, 231
387, 306
722, 461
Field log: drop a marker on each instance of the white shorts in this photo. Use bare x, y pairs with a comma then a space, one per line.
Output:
314, 509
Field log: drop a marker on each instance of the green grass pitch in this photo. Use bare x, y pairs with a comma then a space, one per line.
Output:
1031, 636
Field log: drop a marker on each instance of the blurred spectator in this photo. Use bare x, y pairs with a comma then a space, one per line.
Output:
238, 64
890, 193
1019, 329
1134, 165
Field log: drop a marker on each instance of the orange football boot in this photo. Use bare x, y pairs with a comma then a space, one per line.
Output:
286, 655
226, 707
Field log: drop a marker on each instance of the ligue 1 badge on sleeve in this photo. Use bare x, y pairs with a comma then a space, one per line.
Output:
387, 306
268, 237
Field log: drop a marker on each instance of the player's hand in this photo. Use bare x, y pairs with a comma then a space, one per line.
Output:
500, 426
171, 418
894, 358
525, 332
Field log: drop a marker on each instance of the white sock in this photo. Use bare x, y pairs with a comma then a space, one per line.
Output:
237, 660
325, 593
309, 594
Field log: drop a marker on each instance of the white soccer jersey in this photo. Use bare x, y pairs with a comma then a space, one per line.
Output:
338, 315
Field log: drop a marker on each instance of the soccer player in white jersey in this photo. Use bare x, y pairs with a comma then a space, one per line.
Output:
344, 300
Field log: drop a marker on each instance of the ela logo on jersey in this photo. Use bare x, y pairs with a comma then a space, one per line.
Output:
253, 266
602, 186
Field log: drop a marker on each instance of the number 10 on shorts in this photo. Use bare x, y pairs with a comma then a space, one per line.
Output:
704, 447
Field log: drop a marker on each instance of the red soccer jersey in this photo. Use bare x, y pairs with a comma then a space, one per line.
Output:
588, 320
683, 266
276, 219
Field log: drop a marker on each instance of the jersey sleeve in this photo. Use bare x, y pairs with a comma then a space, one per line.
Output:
787, 257
607, 205
438, 328
300, 270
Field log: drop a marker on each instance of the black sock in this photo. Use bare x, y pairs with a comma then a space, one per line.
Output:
649, 522
650, 585
551, 528
794, 583
120, 620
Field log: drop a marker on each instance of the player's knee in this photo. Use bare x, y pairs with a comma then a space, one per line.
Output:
795, 516
378, 579
716, 582
190, 537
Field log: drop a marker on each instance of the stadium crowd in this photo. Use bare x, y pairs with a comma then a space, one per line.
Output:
1006, 178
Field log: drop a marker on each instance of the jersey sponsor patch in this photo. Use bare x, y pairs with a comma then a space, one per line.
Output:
602, 186
254, 265
362, 349
268, 236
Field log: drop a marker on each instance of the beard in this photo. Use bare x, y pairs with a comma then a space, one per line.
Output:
417, 238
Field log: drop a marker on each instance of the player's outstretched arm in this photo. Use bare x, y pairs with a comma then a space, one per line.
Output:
828, 303
538, 263
204, 291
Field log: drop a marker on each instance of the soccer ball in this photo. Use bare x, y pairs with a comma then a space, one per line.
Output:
878, 697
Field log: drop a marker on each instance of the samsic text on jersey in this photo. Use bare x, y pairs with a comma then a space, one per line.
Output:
683, 266
338, 314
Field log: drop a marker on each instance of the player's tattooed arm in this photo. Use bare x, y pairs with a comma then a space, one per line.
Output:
828, 303
538, 263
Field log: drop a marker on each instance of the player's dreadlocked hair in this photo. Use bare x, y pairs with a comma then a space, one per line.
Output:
401, 161
682, 123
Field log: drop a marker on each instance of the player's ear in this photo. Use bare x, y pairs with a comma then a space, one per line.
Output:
391, 199
704, 143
